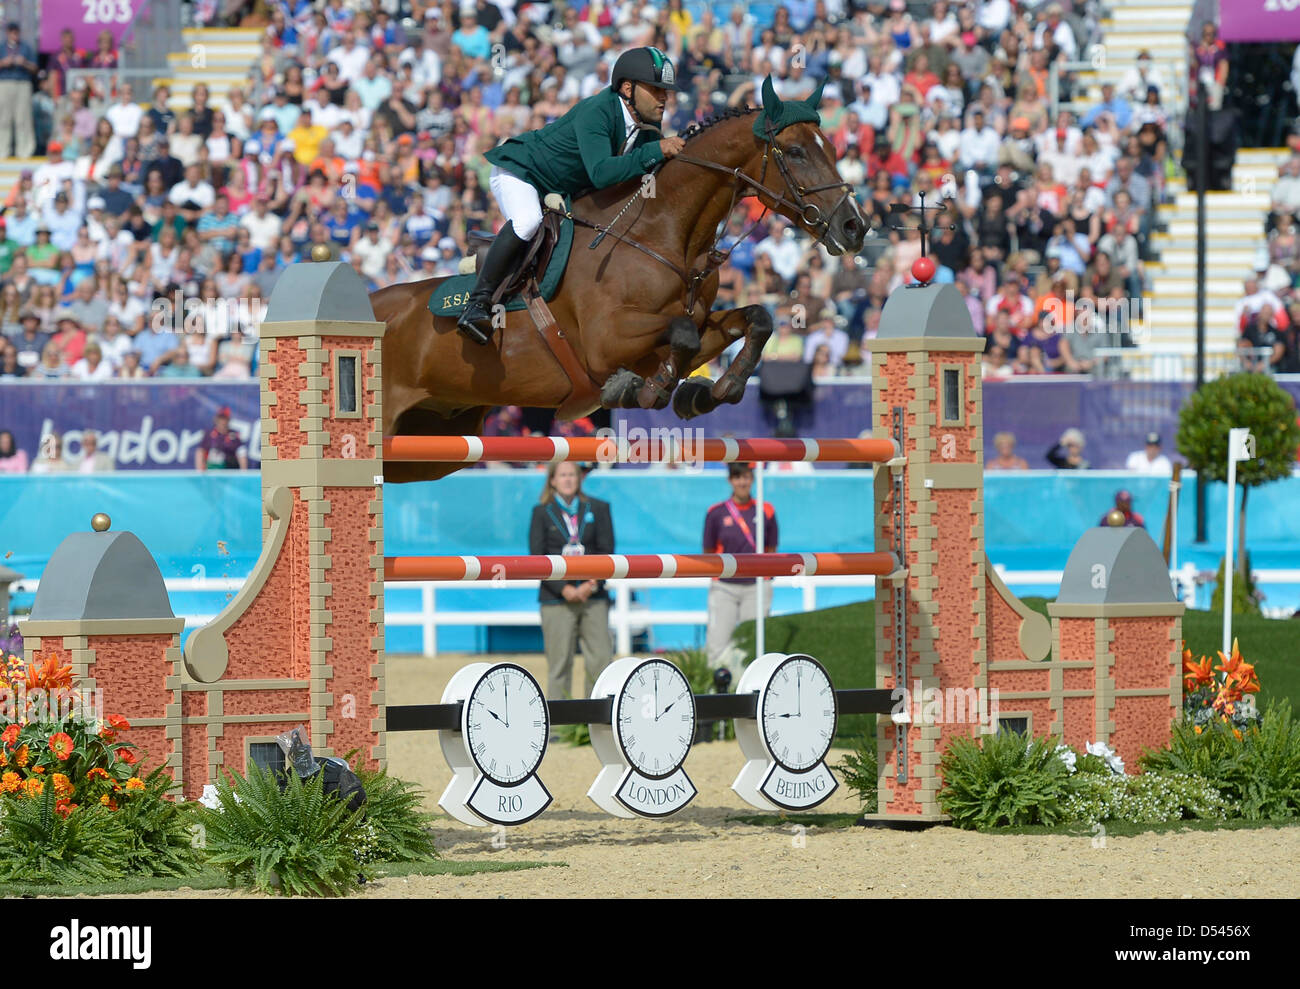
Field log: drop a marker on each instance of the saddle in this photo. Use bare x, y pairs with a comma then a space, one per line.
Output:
526, 282
536, 258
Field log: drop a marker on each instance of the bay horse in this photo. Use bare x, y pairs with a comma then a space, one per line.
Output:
637, 309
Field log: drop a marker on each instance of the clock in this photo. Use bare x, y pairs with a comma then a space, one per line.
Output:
494, 755
785, 745
647, 739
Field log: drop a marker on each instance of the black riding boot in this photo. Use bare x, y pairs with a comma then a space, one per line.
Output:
476, 321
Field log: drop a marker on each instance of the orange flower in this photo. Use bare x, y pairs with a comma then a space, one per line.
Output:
1237, 732
108, 802
116, 721
61, 744
108, 736
51, 676
1197, 674
21, 757
34, 787
1231, 664
10, 782
4, 759
64, 807
1197, 729
10, 735
97, 773
135, 783
62, 785
39, 770
128, 756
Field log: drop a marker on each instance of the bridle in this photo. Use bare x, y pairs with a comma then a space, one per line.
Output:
792, 197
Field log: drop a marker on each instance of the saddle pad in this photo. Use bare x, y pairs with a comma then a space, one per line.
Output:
450, 297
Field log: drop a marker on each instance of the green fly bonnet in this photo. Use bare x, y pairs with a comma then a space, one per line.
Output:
778, 114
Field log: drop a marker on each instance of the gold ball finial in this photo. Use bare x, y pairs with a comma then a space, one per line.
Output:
100, 522
322, 252
1115, 518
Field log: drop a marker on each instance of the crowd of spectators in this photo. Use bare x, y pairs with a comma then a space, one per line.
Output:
364, 125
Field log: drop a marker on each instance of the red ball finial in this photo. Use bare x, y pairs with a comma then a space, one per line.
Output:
923, 270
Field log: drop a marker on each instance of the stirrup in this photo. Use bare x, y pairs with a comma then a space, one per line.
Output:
470, 322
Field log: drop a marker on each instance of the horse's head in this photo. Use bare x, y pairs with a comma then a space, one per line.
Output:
809, 189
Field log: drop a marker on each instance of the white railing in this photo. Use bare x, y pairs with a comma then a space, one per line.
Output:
1169, 364
628, 619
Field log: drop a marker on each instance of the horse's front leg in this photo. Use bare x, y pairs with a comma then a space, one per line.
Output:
697, 395
683, 344
628, 390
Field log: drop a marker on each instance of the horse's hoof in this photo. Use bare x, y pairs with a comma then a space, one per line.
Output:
692, 398
620, 391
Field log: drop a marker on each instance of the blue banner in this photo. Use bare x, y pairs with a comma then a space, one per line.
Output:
142, 425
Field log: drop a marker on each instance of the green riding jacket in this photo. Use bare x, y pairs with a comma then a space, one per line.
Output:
580, 151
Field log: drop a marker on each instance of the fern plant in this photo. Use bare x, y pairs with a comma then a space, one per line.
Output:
42, 846
298, 841
861, 772
159, 830
1004, 781
1210, 751
398, 829
1269, 781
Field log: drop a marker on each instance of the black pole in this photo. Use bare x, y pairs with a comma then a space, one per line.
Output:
1202, 180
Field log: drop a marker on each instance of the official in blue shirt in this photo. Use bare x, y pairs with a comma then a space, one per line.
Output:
1116, 106
17, 68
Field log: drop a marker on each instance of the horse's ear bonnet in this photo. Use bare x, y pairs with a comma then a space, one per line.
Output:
778, 114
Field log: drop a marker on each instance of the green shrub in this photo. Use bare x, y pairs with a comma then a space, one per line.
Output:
861, 772
1257, 770
42, 846
395, 828
160, 831
1152, 798
1210, 751
1245, 595
298, 840
1004, 780
1269, 780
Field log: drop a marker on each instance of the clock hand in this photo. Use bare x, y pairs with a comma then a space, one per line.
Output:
497, 716
506, 681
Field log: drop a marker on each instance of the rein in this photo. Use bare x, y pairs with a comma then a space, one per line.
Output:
810, 213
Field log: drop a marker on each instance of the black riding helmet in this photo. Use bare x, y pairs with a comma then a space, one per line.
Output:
648, 65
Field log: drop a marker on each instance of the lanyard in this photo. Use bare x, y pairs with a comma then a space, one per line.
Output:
570, 526
735, 514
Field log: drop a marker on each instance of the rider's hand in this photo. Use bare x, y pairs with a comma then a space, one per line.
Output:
671, 146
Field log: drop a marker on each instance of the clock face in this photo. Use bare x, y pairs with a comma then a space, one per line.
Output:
506, 724
654, 718
799, 712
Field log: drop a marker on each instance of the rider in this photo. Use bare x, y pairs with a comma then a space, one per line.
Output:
604, 140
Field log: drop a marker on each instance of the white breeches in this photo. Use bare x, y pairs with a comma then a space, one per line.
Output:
518, 200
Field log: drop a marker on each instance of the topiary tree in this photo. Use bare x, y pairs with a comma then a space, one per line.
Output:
1256, 402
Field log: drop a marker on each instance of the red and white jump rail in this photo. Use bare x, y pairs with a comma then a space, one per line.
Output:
554, 449
603, 567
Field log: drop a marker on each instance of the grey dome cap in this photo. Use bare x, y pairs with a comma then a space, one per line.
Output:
926, 311
1116, 565
319, 290
101, 575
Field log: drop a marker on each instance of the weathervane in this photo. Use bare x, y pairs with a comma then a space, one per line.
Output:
925, 228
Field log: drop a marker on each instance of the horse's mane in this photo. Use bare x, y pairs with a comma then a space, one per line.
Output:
729, 113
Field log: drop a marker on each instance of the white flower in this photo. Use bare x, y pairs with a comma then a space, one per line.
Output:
1104, 751
1067, 756
209, 798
